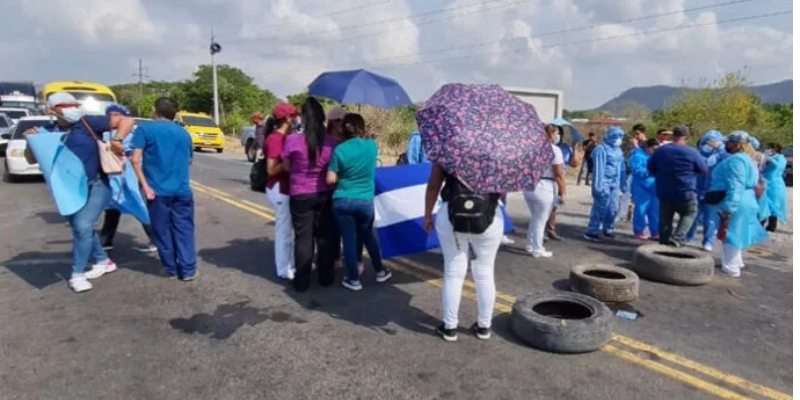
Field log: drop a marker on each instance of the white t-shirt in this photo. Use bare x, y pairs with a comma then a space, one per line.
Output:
557, 160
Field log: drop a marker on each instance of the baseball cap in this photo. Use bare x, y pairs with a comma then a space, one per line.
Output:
59, 98
336, 113
284, 110
118, 108
738, 137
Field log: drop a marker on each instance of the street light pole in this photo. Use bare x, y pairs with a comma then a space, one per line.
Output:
215, 48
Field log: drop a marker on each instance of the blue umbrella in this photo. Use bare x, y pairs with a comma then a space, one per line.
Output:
359, 87
576, 136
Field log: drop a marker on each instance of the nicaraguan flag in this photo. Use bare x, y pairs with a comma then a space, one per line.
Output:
400, 210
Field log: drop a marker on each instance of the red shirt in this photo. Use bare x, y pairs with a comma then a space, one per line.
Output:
273, 148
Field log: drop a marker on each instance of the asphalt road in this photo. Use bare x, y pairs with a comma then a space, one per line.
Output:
238, 333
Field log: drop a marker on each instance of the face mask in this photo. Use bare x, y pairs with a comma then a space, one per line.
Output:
557, 140
298, 125
706, 149
769, 153
618, 142
72, 114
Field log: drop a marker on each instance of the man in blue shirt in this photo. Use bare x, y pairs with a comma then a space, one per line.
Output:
161, 158
676, 166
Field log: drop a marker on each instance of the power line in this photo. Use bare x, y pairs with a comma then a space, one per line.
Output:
570, 43
142, 75
547, 34
379, 22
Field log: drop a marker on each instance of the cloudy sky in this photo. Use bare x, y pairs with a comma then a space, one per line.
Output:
590, 49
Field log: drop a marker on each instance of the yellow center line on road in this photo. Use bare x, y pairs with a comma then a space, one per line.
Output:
505, 302
672, 373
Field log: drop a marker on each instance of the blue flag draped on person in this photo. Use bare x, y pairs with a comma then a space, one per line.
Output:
63, 171
400, 210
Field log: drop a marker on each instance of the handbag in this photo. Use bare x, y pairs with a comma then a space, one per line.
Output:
258, 176
714, 197
110, 163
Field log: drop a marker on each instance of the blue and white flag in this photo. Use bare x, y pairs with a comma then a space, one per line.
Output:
400, 210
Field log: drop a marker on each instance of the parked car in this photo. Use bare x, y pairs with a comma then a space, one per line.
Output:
248, 140
205, 133
787, 175
16, 165
5, 127
15, 113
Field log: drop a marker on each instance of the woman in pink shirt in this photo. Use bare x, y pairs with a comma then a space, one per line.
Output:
306, 156
278, 189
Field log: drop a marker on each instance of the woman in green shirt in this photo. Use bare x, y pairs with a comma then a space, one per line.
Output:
352, 170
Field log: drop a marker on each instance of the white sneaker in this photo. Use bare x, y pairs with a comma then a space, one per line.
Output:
101, 269
79, 283
542, 254
506, 241
148, 248
732, 274
529, 249
708, 247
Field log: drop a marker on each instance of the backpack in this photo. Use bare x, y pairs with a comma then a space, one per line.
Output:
468, 212
258, 176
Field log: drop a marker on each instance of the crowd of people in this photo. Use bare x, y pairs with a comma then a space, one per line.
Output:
321, 186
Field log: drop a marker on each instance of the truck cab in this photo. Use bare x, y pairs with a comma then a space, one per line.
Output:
205, 133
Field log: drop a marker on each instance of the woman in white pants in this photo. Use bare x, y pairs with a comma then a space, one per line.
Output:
551, 188
459, 251
278, 190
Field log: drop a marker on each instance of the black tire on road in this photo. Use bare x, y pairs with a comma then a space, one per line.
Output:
562, 322
606, 283
219, 150
678, 266
7, 176
251, 150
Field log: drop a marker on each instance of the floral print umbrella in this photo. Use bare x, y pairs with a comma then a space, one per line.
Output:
488, 138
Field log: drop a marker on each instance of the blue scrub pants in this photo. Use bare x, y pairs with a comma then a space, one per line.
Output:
645, 215
172, 222
604, 212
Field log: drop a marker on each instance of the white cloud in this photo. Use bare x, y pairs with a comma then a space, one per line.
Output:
275, 42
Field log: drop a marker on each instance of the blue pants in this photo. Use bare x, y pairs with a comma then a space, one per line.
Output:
645, 215
85, 242
710, 222
172, 222
355, 219
604, 211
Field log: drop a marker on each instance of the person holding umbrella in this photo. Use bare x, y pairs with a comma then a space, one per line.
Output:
482, 142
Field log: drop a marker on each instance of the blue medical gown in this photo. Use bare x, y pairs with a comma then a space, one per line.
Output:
737, 176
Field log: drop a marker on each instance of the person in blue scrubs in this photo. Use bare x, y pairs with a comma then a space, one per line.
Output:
415, 154
736, 177
711, 149
773, 203
161, 158
607, 184
643, 192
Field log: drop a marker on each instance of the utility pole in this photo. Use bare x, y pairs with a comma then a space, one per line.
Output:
142, 75
215, 48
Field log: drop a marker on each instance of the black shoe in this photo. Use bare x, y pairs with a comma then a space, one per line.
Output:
554, 236
481, 333
609, 234
449, 335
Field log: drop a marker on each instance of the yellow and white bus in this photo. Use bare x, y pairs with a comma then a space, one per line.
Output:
93, 97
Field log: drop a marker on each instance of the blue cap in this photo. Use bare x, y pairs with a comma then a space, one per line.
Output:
754, 142
712, 135
738, 137
118, 108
